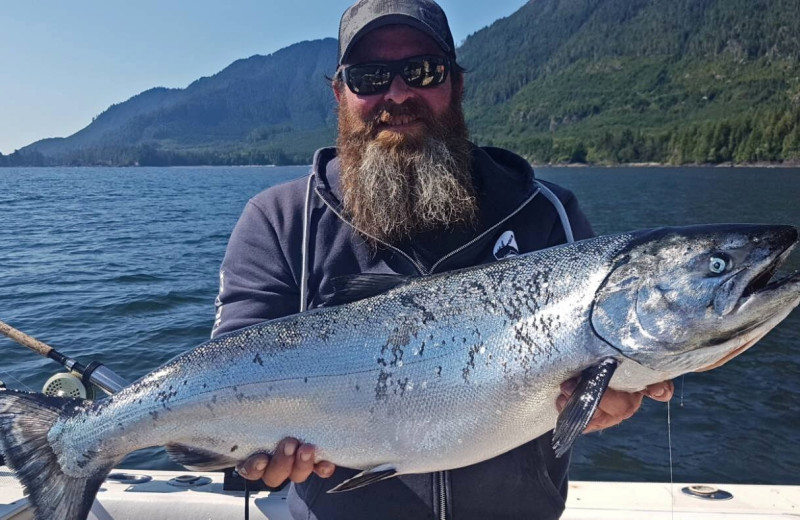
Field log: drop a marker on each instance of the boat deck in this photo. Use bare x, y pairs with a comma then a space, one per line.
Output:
157, 499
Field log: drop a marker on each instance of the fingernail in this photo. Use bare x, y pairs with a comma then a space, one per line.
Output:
326, 470
260, 465
569, 386
241, 471
660, 392
288, 449
305, 457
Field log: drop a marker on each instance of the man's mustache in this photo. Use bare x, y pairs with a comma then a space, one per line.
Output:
385, 113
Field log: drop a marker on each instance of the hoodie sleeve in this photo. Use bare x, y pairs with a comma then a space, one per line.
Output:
256, 282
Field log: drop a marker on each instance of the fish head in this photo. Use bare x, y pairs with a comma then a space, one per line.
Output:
690, 299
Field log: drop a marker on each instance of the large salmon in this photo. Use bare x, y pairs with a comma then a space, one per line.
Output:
426, 374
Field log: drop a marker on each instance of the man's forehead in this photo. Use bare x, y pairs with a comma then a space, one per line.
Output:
393, 42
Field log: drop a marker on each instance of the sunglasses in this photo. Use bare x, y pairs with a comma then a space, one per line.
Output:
366, 79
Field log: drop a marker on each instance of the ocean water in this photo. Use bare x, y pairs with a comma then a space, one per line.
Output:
119, 265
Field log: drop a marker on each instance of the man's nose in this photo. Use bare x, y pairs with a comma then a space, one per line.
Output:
399, 91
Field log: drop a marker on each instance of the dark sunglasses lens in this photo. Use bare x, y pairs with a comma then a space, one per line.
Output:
368, 79
425, 72
373, 78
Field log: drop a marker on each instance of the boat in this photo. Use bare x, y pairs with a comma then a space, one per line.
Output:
170, 495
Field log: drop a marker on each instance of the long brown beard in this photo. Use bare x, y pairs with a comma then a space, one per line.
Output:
396, 185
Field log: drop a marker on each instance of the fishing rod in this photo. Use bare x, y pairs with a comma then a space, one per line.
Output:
95, 373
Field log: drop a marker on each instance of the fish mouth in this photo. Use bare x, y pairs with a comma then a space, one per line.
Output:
764, 281
759, 284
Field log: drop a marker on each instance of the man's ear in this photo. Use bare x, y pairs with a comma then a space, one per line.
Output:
337, 85
458, 82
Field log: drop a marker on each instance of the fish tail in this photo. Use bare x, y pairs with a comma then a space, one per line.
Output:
25, 420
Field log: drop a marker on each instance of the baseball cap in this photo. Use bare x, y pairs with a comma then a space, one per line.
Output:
367, 15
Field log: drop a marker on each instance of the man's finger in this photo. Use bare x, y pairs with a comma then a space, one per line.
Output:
280, 467
253, 468
568, 386
303, 463
661, 391
561, 402
621, 405
324, 469
600, 421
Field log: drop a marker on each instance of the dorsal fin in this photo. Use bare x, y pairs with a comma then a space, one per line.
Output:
348, 289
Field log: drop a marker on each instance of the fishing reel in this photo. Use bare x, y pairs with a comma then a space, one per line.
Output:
65, 384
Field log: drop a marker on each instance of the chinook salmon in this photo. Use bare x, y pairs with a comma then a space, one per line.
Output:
425, 374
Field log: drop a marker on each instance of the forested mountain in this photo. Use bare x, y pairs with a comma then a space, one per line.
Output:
676, 81
261, 110
605, 81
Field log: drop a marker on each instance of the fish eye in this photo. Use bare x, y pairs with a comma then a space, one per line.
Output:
719, 264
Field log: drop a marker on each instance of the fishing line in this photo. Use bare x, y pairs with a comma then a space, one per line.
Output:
17, 380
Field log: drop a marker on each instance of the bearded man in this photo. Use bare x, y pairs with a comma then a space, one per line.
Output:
404, 192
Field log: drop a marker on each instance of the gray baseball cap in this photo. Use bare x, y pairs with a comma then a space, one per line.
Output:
367, 15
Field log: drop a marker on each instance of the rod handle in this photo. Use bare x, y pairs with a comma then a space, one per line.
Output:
25, 340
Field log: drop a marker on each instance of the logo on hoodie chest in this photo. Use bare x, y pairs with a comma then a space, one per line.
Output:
506, 246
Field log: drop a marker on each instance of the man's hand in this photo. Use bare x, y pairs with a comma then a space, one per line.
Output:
616, 406
291, 460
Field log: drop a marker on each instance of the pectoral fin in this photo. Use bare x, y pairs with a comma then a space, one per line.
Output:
366, 478
581, 406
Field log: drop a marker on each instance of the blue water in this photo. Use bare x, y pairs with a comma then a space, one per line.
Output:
120, 265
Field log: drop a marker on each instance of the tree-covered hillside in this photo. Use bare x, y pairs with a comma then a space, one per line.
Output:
602, 81
260, 110
676, 81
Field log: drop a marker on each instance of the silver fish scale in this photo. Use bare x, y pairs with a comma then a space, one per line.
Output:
440, 373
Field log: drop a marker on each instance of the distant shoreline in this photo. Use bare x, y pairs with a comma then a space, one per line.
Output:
789, 164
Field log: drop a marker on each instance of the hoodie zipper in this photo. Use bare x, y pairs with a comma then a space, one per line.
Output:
449, 255
413, 262
490, 230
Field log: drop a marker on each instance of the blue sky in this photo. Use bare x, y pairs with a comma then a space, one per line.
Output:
64, 62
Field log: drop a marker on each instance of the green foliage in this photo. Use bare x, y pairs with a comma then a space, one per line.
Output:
763, 136
678, 81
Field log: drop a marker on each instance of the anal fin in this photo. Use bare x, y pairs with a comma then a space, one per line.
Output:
198, 459
366, 478
580, 408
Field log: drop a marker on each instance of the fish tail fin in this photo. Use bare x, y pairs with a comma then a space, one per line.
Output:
25, 420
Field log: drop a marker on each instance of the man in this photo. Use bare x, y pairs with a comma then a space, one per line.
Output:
404, 192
